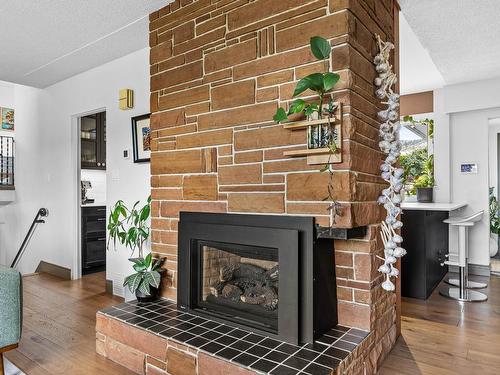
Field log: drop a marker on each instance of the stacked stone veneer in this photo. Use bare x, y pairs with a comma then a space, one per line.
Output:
219, 70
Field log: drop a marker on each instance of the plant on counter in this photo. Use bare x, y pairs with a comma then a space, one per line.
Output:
322, 85
130, 227
413, 165
425, 182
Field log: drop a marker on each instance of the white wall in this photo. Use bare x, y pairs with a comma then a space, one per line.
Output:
462, 119
17, 216
52, 176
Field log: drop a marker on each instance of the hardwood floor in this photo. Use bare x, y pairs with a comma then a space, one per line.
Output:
442, 336
59, 326
439, 336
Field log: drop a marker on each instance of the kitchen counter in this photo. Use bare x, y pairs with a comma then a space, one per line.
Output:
417, 206
426, 242
95, 204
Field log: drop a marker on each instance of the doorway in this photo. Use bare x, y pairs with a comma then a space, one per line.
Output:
92, 183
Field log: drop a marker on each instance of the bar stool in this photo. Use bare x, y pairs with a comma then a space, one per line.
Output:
461, 289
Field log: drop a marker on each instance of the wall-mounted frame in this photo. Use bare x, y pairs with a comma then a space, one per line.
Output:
7, 118
141, 138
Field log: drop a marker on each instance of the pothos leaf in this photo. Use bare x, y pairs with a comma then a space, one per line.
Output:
329, 80
302, 86
316, 81
320, 47
297, 106
280, 115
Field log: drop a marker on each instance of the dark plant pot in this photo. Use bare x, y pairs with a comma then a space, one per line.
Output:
141, 297
424, 195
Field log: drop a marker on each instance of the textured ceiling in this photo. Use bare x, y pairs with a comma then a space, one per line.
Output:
45, 41
461, 36
415, 59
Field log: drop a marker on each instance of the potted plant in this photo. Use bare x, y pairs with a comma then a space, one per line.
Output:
130, 227
424, 183
322, 84
494, 223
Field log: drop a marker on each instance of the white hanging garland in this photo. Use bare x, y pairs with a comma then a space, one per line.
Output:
392, 196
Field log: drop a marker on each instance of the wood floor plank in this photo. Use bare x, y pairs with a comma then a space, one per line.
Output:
59, 327
443, 336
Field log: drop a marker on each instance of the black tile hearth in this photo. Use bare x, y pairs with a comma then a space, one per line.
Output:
253, 351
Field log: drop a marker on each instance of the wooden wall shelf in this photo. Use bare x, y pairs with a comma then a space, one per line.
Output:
313, 151
319, 155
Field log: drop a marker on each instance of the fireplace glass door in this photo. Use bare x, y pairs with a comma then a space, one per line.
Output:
239, 283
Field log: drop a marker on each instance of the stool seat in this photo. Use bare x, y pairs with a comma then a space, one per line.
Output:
466, 221
460, 259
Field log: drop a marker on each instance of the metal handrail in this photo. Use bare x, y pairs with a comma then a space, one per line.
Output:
42, 212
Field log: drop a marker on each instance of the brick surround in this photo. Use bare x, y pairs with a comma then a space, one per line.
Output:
219, 69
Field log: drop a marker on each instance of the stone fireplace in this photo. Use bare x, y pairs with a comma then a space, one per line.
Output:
219, 70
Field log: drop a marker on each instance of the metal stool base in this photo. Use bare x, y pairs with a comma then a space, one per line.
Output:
468, 295
470, 284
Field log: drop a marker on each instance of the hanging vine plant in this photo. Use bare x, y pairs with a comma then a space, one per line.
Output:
322, 84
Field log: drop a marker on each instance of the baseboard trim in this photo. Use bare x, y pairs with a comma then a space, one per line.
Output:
54, 269
109, 287
474, 269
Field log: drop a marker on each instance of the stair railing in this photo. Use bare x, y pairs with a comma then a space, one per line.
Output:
42, 212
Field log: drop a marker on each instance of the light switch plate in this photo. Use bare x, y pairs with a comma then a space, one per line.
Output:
126, 154
115, 174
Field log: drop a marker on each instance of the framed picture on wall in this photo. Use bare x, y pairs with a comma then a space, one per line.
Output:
141, 138
7, 118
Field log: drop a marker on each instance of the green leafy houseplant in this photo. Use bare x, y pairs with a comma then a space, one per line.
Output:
494, 213
426, 179
413, 166
130, 227
321, 84
425, 182
147, 275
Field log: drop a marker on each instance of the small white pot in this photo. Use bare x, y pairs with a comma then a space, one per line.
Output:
493, 244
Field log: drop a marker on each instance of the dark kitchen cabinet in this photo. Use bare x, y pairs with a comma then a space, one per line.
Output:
426, 242
93, 141
93, 239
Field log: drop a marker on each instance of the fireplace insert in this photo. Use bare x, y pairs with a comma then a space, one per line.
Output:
266, 273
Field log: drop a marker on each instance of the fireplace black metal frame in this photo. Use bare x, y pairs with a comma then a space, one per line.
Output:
305, 311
